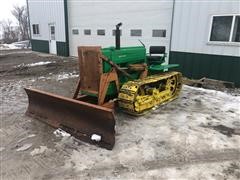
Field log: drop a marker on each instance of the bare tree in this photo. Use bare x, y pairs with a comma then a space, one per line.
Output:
21, 14
10, 33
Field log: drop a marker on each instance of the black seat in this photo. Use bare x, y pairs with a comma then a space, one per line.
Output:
156, 55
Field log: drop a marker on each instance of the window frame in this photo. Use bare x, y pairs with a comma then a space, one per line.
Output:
38, 33
75, 29
131, 32
229, 42
164, 32
99, 34
87, 30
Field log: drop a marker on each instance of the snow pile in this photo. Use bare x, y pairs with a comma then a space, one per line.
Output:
8, 47
15, 45
21, 44
67, 75
35, 64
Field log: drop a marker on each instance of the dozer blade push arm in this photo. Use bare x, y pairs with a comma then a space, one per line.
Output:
116, 67
88, 122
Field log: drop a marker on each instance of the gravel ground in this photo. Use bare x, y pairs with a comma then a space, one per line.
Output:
193, 137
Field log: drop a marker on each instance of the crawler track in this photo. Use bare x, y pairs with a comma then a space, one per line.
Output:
140, 96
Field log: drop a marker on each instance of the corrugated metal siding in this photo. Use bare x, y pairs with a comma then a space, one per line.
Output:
191, 26
105, 15
196, 66
44, 12
40, 45
62, 49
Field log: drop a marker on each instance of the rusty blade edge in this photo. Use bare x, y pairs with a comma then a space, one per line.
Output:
77, 122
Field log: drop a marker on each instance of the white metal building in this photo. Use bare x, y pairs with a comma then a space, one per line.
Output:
139, 20
202, 36
206, 39
193, 22
48, 22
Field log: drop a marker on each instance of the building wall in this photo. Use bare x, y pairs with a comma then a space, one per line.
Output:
105, 15
43, 13
192, 23
190, 47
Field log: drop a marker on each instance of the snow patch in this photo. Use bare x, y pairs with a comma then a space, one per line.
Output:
31, 135
24, 147
39, 150
35, 64
96, 137
9, 46
61, 133
2, 148
67, 76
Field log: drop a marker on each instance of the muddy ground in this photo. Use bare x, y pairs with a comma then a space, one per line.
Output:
193, 137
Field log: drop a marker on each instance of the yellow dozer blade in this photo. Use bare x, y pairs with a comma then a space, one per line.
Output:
88, 122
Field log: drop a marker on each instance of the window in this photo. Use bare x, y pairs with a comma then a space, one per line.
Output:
225, 28
114, 32
158, 33
35, 28
236, 30
75, 31
52, 30
136, 32
87, 31
101, 32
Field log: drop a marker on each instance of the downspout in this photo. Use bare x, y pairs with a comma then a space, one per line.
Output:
29, 25
170, 44
66, 27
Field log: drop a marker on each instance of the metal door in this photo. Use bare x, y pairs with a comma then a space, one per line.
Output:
52, 39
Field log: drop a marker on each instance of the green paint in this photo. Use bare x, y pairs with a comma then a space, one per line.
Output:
62, 49
160, 67
125, 54
40, 45
196, 66
123, 57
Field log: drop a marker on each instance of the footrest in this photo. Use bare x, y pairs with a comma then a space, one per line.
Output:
160, 67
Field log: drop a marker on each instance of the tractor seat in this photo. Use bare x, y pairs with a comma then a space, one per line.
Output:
155, 59
156, 55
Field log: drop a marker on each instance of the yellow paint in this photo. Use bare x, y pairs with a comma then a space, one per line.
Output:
139, 96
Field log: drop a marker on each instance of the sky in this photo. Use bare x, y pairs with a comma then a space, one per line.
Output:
6, 7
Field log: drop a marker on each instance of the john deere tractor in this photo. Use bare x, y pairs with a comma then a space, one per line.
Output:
126, 78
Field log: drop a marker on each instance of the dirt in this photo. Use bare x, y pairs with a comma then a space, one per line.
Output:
193, 137
15, 65
233, 168
225, 130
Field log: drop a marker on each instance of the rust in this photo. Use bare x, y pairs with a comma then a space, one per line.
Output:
92, 79
80, 119
90, 67
105, 80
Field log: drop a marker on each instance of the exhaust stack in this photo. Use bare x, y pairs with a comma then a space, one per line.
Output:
117, 35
